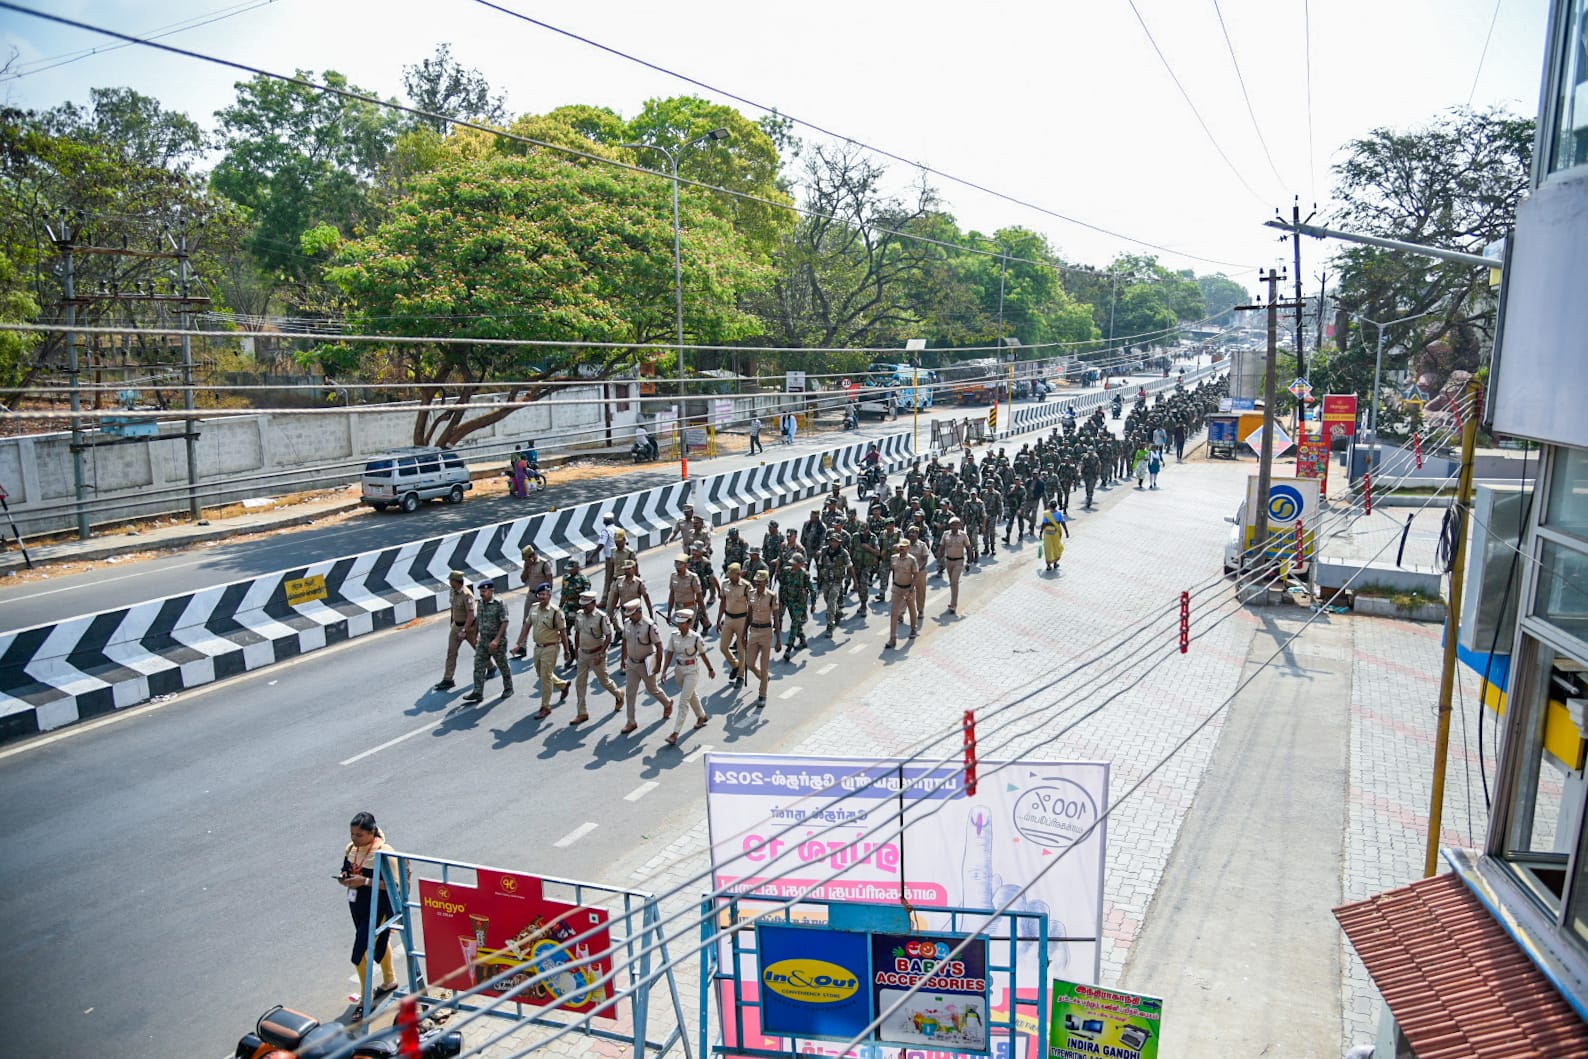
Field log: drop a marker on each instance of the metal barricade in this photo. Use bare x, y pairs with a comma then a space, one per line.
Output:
585, 960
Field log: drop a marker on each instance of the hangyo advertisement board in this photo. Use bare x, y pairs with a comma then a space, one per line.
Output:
782, 826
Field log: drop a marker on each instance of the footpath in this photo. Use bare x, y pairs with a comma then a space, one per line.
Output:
1240, 816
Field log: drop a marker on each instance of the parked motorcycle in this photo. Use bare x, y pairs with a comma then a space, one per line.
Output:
306, 1037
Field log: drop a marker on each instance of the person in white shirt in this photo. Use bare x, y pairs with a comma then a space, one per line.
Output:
606, 543
642, 437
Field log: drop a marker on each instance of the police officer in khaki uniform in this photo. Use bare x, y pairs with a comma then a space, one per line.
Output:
683, 587
537, 571
733, 616
765, 627
592, 635
955, 547
902, 573
921, 552
628, 589
686, 654
641, 642
459, 629
549, 627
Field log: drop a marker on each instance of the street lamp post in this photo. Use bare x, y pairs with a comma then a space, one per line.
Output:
673, 154
1378, 361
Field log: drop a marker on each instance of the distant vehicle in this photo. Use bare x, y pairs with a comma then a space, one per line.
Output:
900, 380
405, 477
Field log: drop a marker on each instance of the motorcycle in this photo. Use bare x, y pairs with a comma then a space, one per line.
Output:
641, 452
306, 1037
851, 418
1118, 406
873, 480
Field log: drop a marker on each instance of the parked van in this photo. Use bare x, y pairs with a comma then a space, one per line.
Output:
404, 477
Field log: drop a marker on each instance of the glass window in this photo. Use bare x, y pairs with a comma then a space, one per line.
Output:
407, 466
1562, 598
1568, 492
1542, 827
1571, 115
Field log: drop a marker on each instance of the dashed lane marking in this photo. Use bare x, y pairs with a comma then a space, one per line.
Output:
828, 668
699, 752
641, 791
388, 744
789, 693
576, 834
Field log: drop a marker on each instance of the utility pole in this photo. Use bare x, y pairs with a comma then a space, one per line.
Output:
1265, 468
64, 241
1301, 344
190, 435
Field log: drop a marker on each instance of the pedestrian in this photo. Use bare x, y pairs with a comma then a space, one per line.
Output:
606, 543
641, 643
358, 878
1154, 465
765, 620
686, 654
956, 548
592, 635
796, 594
490, 651
550, 628
1160, 440
755, 435
537, 570
921, 552
733, 608
1179, 442
902, 573
683, 587
1139, 468
1054, 529
833, 565
460, 627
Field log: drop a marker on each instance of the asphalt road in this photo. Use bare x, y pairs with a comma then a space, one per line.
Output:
107, 587
167, 874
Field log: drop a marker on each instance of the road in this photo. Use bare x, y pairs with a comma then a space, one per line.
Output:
167, 871
26, 605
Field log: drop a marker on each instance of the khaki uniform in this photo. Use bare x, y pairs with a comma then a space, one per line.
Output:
458, 632
689, 658
762, 637
684, 591
956, 549
535, 572
735, 620
638, 647
902, 573
547, 626
592, 631
922, 554
626, 589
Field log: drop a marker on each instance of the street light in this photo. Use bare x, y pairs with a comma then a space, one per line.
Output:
1378, 358
672, 154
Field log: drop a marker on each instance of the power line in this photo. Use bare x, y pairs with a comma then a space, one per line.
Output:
1484, 54
814, 127
52, 62
1312, 161
1241, 79
1187, 97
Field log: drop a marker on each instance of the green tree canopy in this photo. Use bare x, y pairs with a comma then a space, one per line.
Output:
534, 247
442, 85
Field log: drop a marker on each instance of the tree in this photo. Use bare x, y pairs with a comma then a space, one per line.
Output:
1454, 183
442, 85
1220, 294
533, 247
295, 158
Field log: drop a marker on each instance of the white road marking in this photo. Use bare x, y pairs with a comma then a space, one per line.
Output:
575, 835
828, 668
389, 743
641, 791
698, 753
789, 693
857, 648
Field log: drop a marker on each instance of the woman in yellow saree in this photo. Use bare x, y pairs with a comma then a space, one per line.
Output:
1054, 530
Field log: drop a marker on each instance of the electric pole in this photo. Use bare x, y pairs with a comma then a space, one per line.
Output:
1301, 345
1265, 467
190, 436
65, 243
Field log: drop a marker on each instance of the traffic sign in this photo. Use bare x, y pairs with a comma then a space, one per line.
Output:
1300, 387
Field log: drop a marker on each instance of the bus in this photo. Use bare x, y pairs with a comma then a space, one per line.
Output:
892, 389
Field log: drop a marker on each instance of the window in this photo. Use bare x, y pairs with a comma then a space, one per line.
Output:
1562, 598
1567, 510
1544, 815
1571, 102
407, 466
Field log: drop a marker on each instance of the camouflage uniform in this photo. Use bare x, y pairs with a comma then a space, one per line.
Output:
735, 549
490, 618
795, 595
573, 583
862, 545
832, 569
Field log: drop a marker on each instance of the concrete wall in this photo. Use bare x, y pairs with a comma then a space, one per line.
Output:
264, 455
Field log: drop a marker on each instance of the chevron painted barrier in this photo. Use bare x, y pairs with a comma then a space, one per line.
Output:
58, 674
738, 494
1046, 415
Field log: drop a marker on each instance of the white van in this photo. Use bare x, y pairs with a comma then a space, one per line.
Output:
404, 477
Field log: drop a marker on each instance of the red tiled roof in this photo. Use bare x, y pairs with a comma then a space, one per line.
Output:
1457, 983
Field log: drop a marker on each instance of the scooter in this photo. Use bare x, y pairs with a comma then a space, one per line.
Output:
851, 418
1118, 406
872, 480
641, 452
306, 1037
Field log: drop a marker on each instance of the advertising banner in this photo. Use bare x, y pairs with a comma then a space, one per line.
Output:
1089, 1021
505, 922
813, 981
722, 411
1312, 457
1339, 415
781, 826
949, 1011
1289, 500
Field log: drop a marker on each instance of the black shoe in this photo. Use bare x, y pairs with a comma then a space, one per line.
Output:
490, 674
733, 673
445, 685
507, 693
760, 703
567, 687
474, 696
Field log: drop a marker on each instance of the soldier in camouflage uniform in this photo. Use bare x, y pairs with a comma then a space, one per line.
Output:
734, 550
833, 566
897, 503
993, 501
700, 566
796, 595
490, 628
866, 555
574, 584
754, 563
975, 524
1090, 466
771, 549
1066, 481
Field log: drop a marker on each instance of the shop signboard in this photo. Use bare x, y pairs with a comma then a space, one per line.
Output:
505, 923
1339, 415
949, 1011
1086, 1021
813, 981
1312, 456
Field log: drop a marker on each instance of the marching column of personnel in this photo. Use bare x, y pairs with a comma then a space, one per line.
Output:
942, 518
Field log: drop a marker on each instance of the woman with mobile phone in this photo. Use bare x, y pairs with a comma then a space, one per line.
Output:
358, 877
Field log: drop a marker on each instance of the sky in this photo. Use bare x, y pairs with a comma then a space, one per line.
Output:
1061, 110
